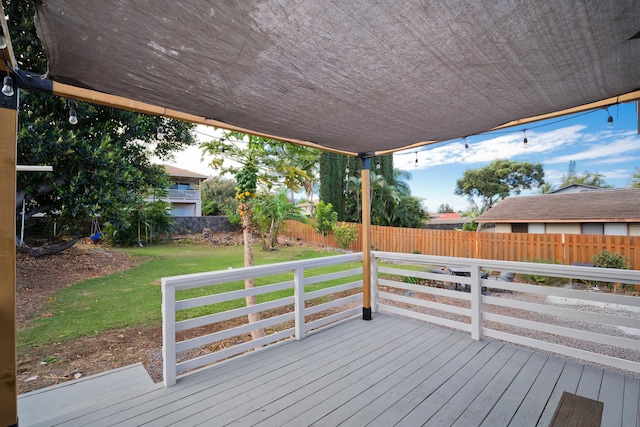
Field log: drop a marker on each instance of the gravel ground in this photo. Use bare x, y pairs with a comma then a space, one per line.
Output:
628, 333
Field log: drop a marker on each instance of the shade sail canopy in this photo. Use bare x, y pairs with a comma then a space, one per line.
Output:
355, 76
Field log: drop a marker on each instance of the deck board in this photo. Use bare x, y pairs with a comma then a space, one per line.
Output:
387, 371
534, 402
478, 409
568, 381
630, 413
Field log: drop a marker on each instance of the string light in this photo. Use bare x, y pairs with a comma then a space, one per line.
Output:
416, 162
609, 119
7, 86
525, 141
160, 130
466, 145
73, 117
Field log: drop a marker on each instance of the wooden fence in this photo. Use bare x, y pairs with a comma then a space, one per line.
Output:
559, 248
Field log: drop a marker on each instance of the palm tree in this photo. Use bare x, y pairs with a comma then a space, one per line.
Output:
269, 214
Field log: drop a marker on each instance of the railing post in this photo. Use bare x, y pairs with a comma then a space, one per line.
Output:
168, 334
374, 284
298, 295
476, 303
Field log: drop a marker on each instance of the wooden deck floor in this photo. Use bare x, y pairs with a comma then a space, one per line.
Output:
385, 372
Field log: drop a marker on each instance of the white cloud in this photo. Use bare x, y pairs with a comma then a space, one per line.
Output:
486, 150
601, 150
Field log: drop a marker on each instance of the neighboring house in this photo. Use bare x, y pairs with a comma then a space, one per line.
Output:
575, 188
184, 193
607, 211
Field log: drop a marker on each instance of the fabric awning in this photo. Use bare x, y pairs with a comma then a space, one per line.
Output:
356, 76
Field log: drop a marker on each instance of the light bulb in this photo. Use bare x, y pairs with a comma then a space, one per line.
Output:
160, 134
3, 42
610, 122
7, 86
525, 142
73, 117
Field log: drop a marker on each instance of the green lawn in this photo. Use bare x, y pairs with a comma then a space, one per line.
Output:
133, 297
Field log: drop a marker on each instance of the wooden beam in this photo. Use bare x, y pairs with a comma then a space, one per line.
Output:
123, 103
8, 373
627, 97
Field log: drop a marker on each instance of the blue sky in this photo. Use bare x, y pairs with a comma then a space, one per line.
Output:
585, 138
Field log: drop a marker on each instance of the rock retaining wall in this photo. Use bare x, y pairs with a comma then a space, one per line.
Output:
195, 224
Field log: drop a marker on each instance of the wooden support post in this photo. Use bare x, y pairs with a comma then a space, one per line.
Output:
8, 372
366, 239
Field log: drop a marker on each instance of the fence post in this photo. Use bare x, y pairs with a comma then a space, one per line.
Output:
298, 296
476, 303
168, 334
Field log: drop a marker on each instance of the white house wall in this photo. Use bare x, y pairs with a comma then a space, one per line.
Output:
616, 229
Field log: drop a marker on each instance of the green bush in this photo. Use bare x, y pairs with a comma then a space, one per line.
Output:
147, 224
606, 259
470, 226
345, 234
543, 280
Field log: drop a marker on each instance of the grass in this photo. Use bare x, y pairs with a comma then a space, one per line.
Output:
133, 297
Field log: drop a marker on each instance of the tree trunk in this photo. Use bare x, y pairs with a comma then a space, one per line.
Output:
247, 235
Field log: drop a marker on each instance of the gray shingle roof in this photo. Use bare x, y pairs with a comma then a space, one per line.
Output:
607, 205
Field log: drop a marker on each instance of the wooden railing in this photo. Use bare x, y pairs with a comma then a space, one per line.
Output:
189, 313
562, 249
582, 323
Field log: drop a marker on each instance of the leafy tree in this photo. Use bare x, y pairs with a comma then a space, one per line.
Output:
445, 208
144, 224
270, 211
498, 180
101, 165
587, 178
345, 234
635, 179
333, 181
389, 207
263, 161
547, 188
325, 218
219, 196
339, 172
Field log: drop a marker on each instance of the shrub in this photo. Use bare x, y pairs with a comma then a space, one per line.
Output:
543, 280
606, 259
345, 234
146, 224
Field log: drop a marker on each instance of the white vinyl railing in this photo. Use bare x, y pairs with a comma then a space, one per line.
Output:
548, 318
596, 326
194, 313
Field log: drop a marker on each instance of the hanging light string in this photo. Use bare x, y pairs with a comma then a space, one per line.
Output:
525, 140
7, 82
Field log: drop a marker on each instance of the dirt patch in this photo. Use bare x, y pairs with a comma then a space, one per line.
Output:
36, 280
39, 278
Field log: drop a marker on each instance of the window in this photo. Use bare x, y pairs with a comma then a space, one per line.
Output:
593, 228
519, 228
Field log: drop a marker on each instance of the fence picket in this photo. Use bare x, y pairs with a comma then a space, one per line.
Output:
563, 249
